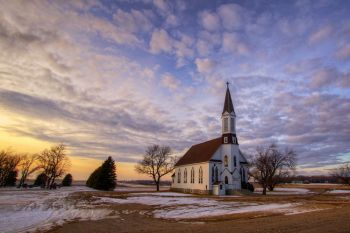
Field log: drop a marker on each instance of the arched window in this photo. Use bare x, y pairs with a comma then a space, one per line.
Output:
216, 174
232, 125
243, 175
226, 161
212, 174
200, 176
185, 176
226, 180
225, 124
179, 176
192, 175
234, 161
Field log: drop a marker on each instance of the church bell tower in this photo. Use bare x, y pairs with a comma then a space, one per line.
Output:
228, 118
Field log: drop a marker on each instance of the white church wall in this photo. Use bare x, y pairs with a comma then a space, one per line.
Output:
205, 185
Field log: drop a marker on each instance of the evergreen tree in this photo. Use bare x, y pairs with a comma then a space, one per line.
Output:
40, 180
11, 178
104, 177
93, 178
67, 180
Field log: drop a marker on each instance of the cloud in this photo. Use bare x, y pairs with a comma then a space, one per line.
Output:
231, 42
162, 6
343, 53
231, 16
133, 21
172, 20
161, 41
170, 82
327, 77
204, 65
320, 35
209, 21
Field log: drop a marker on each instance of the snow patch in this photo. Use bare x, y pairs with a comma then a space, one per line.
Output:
26, 210
285, 191
163, 194
338, 191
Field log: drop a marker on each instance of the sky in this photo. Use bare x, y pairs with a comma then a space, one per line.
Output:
109, 78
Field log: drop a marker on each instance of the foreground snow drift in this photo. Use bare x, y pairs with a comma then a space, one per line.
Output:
30, 210
340, 191
182, 207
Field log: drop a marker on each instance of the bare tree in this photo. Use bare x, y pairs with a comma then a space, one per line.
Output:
8, 164
27, 166
54, 162
270, 165
156, 163
342, 173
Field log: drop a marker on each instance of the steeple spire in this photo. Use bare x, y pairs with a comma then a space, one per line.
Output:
228, 120
228, 105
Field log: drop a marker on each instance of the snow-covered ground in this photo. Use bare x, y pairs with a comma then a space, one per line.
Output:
170, 206
340, 191
127, 187
24, 210
285, 191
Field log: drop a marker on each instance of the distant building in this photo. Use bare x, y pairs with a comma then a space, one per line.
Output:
214, 167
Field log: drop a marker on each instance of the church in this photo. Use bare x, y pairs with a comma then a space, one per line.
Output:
216, 166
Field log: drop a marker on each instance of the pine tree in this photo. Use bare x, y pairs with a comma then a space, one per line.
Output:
104, 177
67, 180
11, 178
40, 180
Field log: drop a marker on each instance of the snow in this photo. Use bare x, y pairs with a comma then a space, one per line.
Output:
30, 210
182, 207
164, 194
127, 187
186, 212
285, 191
301, 211
338, 191
27, 210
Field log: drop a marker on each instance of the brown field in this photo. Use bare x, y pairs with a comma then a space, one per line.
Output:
331, 214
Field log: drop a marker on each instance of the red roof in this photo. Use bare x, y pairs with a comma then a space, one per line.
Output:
201, 152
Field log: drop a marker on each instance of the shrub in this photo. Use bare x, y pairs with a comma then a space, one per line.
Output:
67, 180
11, 178
250, 187
40, 180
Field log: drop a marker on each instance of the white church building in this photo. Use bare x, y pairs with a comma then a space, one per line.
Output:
216, 166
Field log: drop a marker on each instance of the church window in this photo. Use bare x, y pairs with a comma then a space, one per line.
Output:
225, 125
226, 180
179, 176
234, 140
216, 174
212, 174
243, 175
192, 175
232, 125
226, 161
200, 176
234, 161
225, 140
185, 176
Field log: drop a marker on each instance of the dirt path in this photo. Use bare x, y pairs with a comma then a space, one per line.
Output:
331, 220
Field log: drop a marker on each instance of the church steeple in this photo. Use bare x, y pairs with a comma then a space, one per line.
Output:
228, 120
228, 106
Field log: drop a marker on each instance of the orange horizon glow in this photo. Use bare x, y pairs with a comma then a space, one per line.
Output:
81, 167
